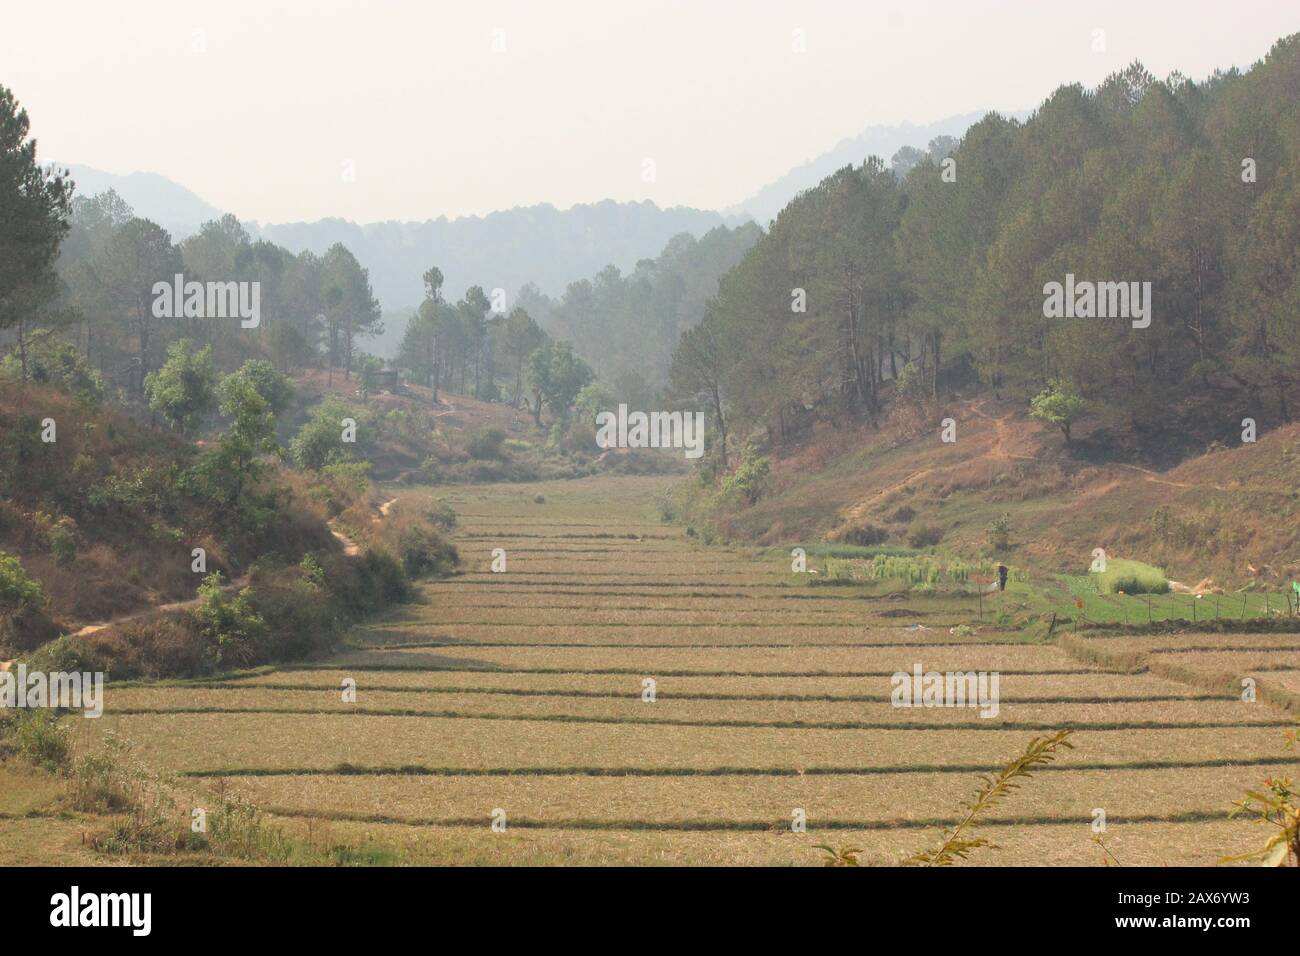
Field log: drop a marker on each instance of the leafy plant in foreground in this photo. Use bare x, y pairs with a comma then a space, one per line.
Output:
1277, 806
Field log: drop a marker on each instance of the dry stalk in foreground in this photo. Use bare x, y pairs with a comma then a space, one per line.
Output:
957, 845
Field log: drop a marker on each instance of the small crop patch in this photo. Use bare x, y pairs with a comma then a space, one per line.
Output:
1123, 576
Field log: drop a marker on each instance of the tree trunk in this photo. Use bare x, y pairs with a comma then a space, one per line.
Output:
936, 338
722, 429
347, 358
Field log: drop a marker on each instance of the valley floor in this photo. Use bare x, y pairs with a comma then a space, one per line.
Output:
523, 695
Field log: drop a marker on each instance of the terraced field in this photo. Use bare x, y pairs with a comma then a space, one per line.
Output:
522, 691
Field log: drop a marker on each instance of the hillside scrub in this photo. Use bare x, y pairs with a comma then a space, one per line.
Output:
285, 611
104, 522
1232, 513
107, 516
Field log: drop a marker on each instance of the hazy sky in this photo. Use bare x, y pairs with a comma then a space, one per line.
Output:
258, 105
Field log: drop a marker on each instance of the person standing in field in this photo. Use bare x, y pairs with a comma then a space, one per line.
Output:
1002, 577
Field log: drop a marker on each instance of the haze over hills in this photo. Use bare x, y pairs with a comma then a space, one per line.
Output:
882, 141
177, 209
508, 248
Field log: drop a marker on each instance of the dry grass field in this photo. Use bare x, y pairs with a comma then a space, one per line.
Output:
522, 692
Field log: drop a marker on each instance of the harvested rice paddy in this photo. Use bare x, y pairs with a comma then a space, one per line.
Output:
628, 695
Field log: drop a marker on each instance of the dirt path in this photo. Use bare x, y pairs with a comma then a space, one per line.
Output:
862, 507
154, 609
1154, 476
350, 548
998, 451
1002, 438
1001, 431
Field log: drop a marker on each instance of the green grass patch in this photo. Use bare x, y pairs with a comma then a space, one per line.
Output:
847, 551
1123, 576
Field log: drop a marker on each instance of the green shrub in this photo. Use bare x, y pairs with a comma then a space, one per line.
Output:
353, 476
183, 390
127, 490
424, 551
97, 784
441, 515
750, 477
57, 362
63, 545
270, 383
66, 655
311, 569
383, 582
320, 441
1000, 532
169, 645
233, 627
864, 535
17, 590
487, 445
300, 620
238, 830
925, 536
38, 737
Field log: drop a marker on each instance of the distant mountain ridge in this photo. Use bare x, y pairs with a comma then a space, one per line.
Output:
882, 141
504, 249
177, 209
508, 248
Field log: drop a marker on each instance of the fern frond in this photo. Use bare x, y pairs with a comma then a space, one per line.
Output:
995, 788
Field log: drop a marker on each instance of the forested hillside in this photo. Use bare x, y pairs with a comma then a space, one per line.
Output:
627, 325
104, 303
940, 277
872, 141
